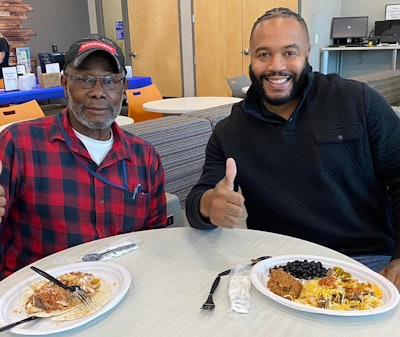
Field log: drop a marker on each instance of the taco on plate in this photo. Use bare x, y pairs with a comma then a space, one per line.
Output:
45, 299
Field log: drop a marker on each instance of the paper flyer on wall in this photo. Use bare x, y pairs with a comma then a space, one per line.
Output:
24, 58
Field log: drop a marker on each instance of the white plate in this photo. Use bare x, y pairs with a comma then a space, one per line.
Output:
117, 276
260, 274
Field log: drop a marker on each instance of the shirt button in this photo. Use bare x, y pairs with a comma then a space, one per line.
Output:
340, 137
101, 201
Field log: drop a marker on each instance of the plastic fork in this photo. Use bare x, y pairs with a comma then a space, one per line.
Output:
76, 290
99, 256
209, 303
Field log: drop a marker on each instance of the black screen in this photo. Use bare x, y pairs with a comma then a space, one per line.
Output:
45, 58
349, 27
381, 26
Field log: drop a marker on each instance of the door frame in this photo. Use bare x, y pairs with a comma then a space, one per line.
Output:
125, 20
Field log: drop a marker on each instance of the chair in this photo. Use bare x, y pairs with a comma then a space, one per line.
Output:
237, 83
20, 112
136, 98
174, 211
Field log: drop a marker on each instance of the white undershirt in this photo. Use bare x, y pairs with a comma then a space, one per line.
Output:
97, 149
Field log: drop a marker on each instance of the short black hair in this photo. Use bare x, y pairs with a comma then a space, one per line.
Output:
281, 12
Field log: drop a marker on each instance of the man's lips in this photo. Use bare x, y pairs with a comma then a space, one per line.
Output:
278, 80
277, 83
98, 109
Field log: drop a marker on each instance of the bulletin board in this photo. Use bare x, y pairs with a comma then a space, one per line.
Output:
392, 12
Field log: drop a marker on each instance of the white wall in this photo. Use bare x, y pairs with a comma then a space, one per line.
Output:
92, 16
187, 50
375, 10
318, 15
112, 13
359, 63
56, 21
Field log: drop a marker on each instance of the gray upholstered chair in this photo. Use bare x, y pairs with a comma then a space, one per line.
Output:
237, 83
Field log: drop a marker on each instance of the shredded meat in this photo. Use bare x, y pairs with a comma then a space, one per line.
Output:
49, 297
284, 284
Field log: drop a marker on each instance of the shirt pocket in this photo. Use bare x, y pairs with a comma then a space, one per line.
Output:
136, 211
341, 149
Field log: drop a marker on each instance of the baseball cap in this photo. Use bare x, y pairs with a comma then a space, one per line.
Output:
81, 49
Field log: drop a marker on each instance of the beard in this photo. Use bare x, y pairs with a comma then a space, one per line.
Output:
298, 85
78, 110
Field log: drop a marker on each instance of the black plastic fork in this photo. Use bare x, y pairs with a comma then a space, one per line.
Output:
209, 304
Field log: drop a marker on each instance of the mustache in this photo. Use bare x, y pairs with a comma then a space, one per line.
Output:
95, 106
266, 75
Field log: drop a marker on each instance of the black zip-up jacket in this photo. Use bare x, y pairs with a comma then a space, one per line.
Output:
330, 174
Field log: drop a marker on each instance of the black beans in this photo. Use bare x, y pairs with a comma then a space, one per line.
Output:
305, 270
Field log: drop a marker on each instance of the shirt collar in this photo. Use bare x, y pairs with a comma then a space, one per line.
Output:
119, 149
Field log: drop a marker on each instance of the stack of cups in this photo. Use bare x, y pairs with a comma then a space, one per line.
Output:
26, 82
32, 79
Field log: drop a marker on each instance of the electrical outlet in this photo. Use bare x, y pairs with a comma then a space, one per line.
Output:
316, 38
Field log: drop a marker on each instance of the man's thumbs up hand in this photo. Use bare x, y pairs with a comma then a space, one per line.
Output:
222, 205
230, 172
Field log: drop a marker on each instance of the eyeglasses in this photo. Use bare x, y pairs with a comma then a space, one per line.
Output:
107, 83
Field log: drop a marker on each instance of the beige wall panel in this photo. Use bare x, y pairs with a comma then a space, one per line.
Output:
218, 45
221, 36
155, 39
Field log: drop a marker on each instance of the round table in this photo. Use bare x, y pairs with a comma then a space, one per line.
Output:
124, 120
172, 272
182, 105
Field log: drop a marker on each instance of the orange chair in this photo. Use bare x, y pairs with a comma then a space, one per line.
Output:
136, 98
20, 112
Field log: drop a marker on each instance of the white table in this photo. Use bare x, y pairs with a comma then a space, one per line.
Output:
123, 120
172, 272
245, 89
182, 105
339, 50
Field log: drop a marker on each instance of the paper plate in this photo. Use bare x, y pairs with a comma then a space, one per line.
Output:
260, 274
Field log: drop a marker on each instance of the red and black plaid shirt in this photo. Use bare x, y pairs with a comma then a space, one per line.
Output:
54, 203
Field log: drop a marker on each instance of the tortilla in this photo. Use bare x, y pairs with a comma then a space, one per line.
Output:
45, 299
99, 298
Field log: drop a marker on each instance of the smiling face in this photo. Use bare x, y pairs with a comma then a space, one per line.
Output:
279, 51
93, 110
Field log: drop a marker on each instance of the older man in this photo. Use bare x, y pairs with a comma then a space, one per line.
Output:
76, 176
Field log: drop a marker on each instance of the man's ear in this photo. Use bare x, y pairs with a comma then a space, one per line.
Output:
64, 81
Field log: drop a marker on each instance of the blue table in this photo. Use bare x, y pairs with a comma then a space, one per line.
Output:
39, 93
